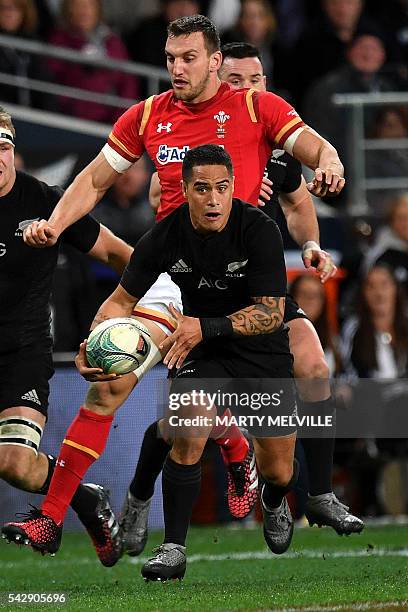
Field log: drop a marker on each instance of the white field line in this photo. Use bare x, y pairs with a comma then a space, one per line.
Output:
233, 556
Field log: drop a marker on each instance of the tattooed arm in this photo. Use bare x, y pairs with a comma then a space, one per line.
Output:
119, 304
264, 317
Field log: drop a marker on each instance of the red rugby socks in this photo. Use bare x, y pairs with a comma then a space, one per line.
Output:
84, 442
234, 446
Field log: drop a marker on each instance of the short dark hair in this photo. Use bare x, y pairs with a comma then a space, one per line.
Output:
205, 155
196, 23
239, 50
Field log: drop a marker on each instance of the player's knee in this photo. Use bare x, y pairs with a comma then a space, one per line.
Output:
16, 466
279, 474
106, 397
187, 451
312, 368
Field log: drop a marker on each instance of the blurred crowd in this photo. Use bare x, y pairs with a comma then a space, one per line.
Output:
310, 50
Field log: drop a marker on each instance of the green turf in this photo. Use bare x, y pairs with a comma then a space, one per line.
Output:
228, 584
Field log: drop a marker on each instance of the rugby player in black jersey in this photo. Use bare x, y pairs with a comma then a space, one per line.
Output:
283, 190
232, 328
26, 344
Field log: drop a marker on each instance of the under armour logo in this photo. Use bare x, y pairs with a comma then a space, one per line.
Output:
60, 462
166, 128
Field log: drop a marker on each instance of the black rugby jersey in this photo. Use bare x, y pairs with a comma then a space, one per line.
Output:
218, 273
286, 174
25, 272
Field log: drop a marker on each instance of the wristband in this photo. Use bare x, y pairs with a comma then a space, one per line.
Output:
216, 327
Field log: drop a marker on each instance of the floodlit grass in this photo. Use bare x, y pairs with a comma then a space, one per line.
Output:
320, 569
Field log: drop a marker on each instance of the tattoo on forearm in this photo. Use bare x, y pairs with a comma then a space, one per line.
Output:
99, 318
263, 317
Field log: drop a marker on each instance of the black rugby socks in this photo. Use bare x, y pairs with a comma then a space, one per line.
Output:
319, 451
153, 453
272, 495
181, 487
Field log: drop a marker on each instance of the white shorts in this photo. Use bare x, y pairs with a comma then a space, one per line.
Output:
154, 304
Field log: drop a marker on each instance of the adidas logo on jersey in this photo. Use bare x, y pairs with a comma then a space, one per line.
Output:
32, 396
23, 224
180, 266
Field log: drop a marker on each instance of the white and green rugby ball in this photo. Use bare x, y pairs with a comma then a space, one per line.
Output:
117, 346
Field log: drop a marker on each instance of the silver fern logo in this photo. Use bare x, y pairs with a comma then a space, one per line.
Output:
23, 224
221, 118
236, 265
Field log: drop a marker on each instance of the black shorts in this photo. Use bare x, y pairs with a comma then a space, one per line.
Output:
260, 405
293, 310
24, 377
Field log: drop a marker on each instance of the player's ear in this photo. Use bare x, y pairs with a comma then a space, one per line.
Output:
183, 186
215, 61
233, 184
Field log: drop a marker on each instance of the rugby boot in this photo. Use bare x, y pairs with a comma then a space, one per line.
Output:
327, 510
133, 522
169, 563
242, 484
277, 526
103, 528
36, 530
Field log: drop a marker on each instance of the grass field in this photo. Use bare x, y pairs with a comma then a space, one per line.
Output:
229, 569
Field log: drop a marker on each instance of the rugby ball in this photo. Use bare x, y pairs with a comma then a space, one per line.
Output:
117, 346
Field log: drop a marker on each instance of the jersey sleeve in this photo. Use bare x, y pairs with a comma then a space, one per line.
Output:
125, 144
293, 175
266, 262
282, 123
144, 266
82, 234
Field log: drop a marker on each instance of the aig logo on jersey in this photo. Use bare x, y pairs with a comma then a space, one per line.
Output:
167, 155
221, 118
212, 284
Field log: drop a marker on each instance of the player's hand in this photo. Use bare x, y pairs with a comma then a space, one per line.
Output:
91, 374
179, 344
266, 191
314, 257
326, 182
40, 234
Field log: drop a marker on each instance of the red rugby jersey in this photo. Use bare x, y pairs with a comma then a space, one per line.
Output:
248, 123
